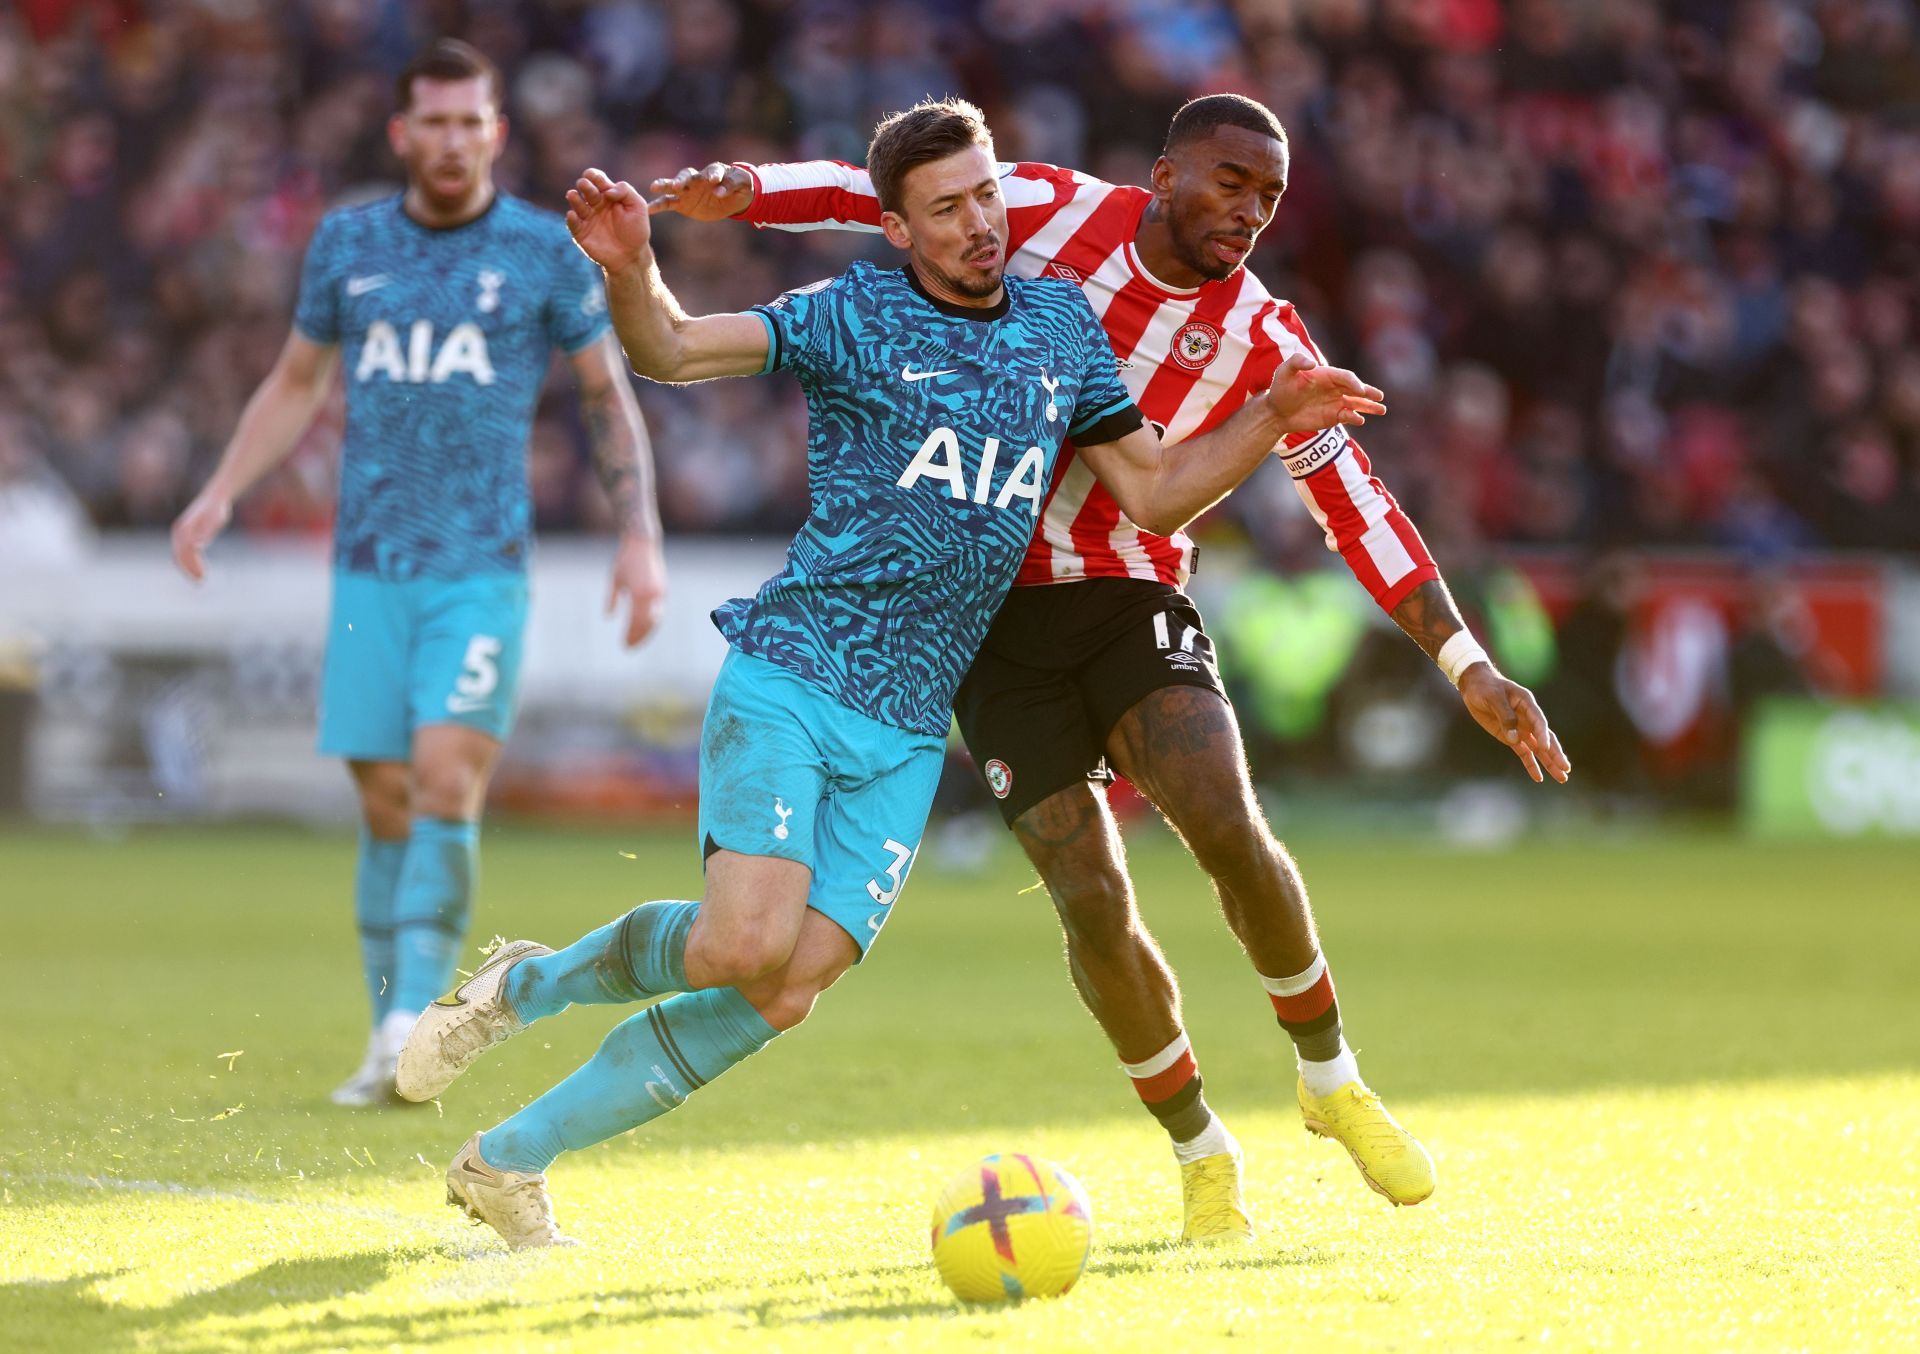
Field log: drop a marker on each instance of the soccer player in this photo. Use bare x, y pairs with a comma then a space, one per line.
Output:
939, 396
447, 301
1099, 662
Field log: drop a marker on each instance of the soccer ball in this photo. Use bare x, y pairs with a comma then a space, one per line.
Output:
1013, 1226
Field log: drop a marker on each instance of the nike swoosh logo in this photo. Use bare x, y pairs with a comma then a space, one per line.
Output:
360, 286
460, 705
909, 375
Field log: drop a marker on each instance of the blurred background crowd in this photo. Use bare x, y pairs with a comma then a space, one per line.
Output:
1635, 274
1632, 272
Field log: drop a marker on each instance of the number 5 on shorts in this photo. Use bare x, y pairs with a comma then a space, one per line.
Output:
479, 675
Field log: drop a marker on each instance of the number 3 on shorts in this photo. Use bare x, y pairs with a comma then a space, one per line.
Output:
896, 877
479, 675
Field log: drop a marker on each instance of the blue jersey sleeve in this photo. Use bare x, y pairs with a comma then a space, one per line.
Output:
801, 328
317, 312
577, 301
1103, 411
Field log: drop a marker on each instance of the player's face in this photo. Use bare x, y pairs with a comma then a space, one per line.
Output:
1219, 194
953, 223
448, 139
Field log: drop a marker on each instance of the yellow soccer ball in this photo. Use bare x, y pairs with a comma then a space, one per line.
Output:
1012, 1226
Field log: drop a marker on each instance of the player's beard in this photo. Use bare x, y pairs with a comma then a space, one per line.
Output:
977, 285
1189, 238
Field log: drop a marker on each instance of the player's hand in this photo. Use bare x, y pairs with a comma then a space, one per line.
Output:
1509, 712
609, 221
1309, 396
194, 529
710, 194
640, 575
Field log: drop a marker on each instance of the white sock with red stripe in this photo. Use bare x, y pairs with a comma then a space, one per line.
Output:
1307, 1010
1168, 1084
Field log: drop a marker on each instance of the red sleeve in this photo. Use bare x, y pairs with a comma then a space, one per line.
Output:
824, 194
1363, 523
812, 195
1034, 193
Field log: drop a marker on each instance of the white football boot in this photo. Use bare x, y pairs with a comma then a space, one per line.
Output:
462, 1025
373, 1084
514, 1205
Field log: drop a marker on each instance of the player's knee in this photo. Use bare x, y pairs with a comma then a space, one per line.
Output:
735, 959
385, 804
793, 1001
1230, 838
447, 789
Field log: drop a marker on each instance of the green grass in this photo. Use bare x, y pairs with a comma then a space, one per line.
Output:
1670, 1084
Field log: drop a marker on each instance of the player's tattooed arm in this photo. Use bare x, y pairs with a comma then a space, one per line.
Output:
1429, 617
610, 225
1501, 706
623, 460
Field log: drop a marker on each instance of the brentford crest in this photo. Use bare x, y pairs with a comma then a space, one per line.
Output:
1195, 344
999, 778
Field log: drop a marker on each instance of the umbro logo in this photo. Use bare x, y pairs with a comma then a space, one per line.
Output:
360, 286
909, 375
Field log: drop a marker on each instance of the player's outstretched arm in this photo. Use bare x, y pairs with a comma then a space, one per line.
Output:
1501, 706
623, 459
271, 424
1164, 492
610, 224
812, 194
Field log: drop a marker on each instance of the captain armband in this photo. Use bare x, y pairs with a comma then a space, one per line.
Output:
1316, 453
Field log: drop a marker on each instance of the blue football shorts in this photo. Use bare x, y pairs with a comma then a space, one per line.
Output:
788, 771
402, 655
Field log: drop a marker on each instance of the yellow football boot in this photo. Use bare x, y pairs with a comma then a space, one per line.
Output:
1215, 1210
1391, 1160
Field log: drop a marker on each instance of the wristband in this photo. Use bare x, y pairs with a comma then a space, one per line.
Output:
1460, 652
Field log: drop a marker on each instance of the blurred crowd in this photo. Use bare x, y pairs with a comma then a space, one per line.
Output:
1631, 272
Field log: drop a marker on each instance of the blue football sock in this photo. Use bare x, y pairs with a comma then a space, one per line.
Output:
647, 1065
430, 910
376, 879
643, 954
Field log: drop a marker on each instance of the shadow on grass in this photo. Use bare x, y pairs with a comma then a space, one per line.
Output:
70, 1314
476, 1304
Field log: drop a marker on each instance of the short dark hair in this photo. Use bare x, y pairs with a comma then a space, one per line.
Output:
1209, 112
931, 130
448, 59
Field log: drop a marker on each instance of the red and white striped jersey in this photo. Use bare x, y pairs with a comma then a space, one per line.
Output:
1190, 358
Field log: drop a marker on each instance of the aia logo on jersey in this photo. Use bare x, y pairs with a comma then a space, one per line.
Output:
1065, 271
1195, 344
939, 458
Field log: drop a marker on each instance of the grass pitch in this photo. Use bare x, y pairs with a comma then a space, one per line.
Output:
1670, 1086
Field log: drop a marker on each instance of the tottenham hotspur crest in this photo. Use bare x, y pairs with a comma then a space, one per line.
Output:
1053, 406
490, 283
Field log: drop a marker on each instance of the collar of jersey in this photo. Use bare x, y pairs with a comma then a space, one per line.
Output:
1133, 255
984, 314
400, 206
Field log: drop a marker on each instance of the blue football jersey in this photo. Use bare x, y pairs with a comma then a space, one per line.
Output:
931, 440
445, 337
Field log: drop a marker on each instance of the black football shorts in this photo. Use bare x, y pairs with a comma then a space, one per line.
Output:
1060, 665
